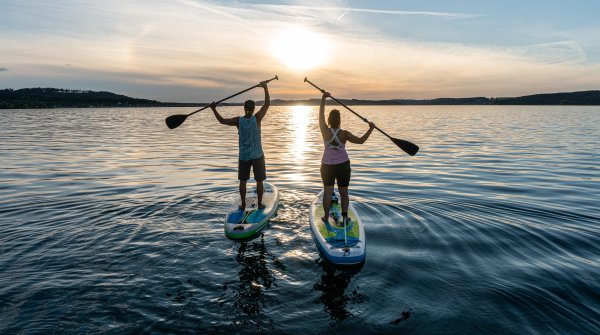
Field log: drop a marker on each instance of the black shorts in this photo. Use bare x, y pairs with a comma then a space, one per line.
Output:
258, 167
339, 172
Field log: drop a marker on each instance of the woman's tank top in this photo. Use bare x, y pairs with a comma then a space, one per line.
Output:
335, 150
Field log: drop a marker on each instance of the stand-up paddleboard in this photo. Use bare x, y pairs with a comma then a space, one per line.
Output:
337, 247
245, 223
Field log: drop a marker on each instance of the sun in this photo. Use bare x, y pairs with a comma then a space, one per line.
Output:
300, 49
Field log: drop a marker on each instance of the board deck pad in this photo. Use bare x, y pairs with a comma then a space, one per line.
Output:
333, 230
242, 224
329, 236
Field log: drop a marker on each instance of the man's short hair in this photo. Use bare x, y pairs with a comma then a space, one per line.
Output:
249, 105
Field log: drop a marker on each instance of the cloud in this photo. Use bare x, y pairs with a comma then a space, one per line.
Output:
204, 50
554, 52
384, 68
304, 9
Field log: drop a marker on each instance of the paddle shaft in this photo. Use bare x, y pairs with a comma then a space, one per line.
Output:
231, 96
348, 108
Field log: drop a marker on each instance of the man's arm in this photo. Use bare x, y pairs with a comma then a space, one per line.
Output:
263, 110
230, 122
360, 140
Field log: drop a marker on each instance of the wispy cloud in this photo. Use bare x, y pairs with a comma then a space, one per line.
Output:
554, 52
297, 8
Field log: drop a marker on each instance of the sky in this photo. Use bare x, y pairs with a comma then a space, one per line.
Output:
200, 51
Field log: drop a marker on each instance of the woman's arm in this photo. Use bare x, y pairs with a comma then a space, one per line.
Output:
360, 140
322, 123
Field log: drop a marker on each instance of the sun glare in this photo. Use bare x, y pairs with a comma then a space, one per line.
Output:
300, 49
300, 120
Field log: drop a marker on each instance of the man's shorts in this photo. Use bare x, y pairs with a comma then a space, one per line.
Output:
258, 167
340, 172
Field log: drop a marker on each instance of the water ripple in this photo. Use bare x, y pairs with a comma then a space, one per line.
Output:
492, 228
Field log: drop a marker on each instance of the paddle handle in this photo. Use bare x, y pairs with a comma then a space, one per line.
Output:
348, 108
233, 95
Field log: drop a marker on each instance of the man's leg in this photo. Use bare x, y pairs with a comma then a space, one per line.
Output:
260, 174
243, 176
243, 194
260, 190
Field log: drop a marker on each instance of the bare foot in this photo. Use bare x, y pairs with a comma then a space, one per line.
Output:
242, 207
261, 206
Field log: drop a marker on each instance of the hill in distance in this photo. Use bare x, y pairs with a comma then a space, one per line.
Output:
63, 98
572, 98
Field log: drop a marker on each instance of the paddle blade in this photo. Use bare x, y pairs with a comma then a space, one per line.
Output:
408, 147
175, 121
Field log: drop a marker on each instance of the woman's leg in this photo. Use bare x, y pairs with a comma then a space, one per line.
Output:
343, 182
345, 199
328, 191
328, 182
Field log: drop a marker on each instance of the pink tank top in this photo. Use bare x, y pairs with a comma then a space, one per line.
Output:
335, 150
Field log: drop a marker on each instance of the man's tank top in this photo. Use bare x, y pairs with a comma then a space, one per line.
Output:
249, 139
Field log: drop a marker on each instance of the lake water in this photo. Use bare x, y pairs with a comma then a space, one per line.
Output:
112, 223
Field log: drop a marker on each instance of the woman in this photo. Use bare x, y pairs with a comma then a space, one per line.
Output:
335, 164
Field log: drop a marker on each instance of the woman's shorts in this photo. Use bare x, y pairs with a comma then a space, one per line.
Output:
340, 172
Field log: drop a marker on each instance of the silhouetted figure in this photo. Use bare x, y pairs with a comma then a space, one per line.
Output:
335, 164
250, 146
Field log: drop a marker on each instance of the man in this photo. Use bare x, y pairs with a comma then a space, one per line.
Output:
250, 147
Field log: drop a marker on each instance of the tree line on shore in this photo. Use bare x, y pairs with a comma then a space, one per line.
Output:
68, 98
56, 98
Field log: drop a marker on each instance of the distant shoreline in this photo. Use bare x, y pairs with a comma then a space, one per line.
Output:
41, 98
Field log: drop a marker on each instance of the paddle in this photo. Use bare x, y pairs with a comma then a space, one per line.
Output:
408, 147
175, 121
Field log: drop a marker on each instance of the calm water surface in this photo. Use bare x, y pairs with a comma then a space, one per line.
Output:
112, 223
